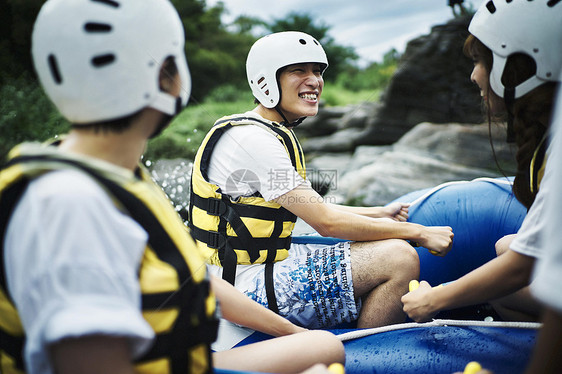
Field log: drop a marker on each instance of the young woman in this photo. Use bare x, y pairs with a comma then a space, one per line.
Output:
515, 47
546, 357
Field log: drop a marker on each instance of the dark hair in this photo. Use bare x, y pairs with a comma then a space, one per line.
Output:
169, 68
118, 125
531, 113
476, 50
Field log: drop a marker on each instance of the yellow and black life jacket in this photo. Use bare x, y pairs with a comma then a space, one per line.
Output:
176, 298
246, 230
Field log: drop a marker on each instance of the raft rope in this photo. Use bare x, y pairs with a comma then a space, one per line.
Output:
356, 334
443, 185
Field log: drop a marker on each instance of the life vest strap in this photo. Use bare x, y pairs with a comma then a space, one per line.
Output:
13, 347
270, 288
217, 240
218, 207
229, 261
8, 200
164, 343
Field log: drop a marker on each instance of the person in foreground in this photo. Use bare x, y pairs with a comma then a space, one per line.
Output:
515, 47
98, 273
547, 358
249, 186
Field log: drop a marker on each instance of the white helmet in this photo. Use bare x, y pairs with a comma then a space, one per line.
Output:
273, 52
530, 27
100, 60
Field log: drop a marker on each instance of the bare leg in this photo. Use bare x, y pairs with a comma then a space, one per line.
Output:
381, 272
286, 354
520, 305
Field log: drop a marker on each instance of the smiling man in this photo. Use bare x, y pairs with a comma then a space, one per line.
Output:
245, 225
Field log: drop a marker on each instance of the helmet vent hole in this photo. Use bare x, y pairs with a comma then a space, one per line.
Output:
97, 27
491, 7
315, 42
54, 67
261, 80
267, 92
103, 60
112, 3
552, 3
302, 41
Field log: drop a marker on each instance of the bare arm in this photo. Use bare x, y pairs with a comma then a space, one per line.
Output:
286, 354
92, 355
240, 309
344, 224
395, 211
499, 277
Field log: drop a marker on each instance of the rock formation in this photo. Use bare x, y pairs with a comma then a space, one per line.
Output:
432, 84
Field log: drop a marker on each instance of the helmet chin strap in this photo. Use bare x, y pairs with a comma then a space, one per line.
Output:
167, 118
509, 98
286, 122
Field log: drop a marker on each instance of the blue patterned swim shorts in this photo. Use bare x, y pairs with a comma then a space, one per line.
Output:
313, 286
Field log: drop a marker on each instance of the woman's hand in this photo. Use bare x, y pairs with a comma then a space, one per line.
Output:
418, 305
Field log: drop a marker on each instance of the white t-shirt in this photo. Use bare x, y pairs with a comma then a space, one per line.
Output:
548, 269
71, 263
249, 159
528, 240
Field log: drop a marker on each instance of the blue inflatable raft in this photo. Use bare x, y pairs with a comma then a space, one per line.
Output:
440, 346
480, 212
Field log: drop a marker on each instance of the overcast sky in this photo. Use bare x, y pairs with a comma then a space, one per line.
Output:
372, 27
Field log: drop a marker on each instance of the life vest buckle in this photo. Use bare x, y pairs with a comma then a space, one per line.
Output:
216, 240
216, 207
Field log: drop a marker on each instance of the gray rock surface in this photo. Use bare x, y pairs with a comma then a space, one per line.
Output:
426, 156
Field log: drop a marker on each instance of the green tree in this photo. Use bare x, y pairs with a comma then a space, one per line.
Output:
216, 56
16, 24
375, 76
25, 111
245, 24
26, 114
